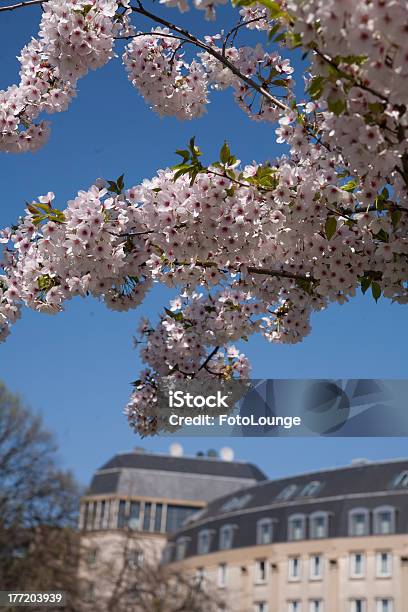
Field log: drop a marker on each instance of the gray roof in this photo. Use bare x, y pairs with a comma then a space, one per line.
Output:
340, 490
163, 476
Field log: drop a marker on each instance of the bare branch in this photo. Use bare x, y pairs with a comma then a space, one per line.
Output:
13, 7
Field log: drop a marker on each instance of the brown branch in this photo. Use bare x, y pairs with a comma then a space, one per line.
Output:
13, 7
216, 54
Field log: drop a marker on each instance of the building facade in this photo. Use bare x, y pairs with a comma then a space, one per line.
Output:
330, 541
136, 501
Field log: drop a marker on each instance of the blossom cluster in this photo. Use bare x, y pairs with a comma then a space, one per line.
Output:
75, 36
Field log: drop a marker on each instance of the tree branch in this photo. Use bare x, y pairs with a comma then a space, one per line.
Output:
13, 7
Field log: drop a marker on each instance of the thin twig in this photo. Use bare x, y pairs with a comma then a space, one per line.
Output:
13, 7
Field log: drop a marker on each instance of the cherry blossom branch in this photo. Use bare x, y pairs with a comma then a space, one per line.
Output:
23, 4
216, 54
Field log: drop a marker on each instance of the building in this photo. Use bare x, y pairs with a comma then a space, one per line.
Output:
137, 500
329, 541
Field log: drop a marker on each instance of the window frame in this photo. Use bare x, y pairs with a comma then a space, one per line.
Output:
319, 514
354, 512
378, 563
292, 577
259, 524
376, 519
379, 601
228, 528
352, 573
291, 518
222, 575
204, 532
312, 558
258, 578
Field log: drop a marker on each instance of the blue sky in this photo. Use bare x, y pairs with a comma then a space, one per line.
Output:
76, 368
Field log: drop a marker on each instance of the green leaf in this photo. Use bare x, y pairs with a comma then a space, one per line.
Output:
304, 284
376, 291
330, 227
184, 154
275, 10
396, 217
225, 153
365, 283
350, 186
177, 316
336, 105
316, 87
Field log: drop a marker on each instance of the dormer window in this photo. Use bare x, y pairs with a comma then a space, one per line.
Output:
310, 489
226, 537
401, 481
359, 522
296, 527
287, 492
181, 548
204, 541
264, 531
384, 520
319, 525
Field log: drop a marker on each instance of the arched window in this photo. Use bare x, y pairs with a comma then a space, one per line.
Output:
226, 537
297, 527
384, 520
204, 541
319, 525
359, 522
264, 531
181, 547
310, 489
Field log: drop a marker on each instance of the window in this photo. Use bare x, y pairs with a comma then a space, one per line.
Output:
384, 520
261, 570
385, 605
401, 481
294, 606
204, 542
147, 516
90, 594
167, 555
134, 515
294, 568
357, 565
310, 489
158, 517
176, 516
357, 605
181, 548
287, 492
134, 558
319, 522
200, 574
121, 514
264, 529
316, 567
315, 605
222, 575
384, 565
358, 522
91, 556
226, 537
296, 527
260, 606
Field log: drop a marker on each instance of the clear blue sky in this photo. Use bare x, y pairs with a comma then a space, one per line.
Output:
76, 368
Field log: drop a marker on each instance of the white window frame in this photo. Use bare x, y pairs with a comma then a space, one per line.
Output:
201, 534
380, 604
259, 525
312, 566
401, 481
260, 606
353, 573
258, 578
353, 602
291, 576
354, 512
378, 564
287, 492
312, 605
377, 520
310, 489
226, 529
312, 532
291, 519
222, 575
294, 605
181, 548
